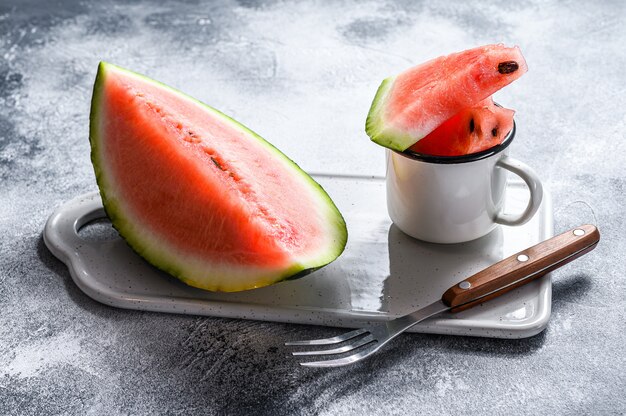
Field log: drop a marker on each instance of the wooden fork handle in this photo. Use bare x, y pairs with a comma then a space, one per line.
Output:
521, 268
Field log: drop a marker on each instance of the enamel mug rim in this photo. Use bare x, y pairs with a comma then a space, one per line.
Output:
472, 157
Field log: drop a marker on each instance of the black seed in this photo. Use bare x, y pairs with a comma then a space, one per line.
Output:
507, 67
494, 132
217, 163
472, 126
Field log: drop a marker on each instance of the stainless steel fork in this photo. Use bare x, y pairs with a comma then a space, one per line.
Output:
495, 280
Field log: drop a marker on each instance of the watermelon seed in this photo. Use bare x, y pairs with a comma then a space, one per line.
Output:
494, 132
507, 67
217, 163
472, 126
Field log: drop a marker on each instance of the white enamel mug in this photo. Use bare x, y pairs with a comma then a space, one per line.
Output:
453, 199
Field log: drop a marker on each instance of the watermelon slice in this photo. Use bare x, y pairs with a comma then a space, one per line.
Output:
409, 106
471, 130
200, 196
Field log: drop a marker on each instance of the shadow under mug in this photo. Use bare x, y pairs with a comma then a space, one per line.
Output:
454, 199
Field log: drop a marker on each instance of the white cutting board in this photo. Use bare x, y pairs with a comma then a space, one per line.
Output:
382, 273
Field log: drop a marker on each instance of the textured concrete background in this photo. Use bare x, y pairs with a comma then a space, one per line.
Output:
303, 75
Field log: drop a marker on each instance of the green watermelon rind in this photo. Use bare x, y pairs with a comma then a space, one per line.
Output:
378, 129
120, 223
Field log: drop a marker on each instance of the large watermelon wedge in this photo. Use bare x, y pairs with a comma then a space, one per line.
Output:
409, 106
199, 195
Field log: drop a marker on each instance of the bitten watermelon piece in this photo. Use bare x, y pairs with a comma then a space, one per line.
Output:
409, 106
200, 196
471, 130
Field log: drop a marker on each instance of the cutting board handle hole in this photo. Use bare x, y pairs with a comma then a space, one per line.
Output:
98, 230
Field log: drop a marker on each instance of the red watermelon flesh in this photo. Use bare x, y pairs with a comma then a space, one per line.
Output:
199, 195
409, 106
471, 130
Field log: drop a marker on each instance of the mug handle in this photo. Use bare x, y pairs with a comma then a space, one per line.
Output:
534, 185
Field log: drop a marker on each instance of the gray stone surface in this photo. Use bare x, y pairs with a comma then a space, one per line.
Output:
303, 75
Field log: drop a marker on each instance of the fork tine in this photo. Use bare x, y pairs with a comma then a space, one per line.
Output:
359, 343
345, 360
329, 341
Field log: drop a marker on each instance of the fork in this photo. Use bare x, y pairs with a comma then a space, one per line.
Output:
510, 273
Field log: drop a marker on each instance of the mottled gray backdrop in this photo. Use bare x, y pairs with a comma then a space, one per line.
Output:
303, 74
